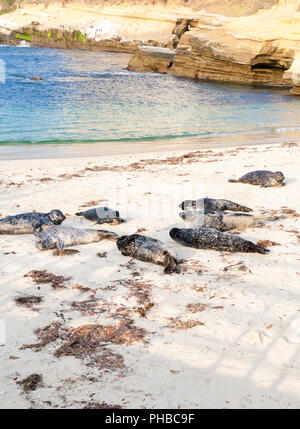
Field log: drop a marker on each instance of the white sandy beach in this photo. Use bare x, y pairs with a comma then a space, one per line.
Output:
225, 333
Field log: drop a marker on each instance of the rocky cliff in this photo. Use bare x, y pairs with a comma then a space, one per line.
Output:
247, 42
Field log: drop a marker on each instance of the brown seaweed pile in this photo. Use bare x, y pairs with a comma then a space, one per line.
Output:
45, 277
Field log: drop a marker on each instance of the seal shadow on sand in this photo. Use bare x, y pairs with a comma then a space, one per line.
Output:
289, 180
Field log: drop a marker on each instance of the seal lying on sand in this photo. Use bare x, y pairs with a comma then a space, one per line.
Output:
207, 238
102, 215
60, 237
214, 205
264, 178
27, 223
222, 221
148, 250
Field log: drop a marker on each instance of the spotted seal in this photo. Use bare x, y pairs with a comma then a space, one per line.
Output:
102, 215
208, 238
212, 204
222, 221
60, 237
148, 250
27, 223
263, 178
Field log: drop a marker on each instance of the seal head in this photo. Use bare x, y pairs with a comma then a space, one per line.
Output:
57, 217
279, 177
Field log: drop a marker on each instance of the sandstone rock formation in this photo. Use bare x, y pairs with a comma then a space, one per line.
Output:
253, 42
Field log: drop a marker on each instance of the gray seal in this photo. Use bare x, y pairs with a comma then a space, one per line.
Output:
212, 204
102, 215
222, 221
27, 223
149, 250
208, 238
60, 237
263, 178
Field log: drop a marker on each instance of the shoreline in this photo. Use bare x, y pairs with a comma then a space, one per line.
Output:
87, 150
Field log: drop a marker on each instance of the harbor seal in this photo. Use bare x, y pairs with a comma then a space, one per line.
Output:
102, 215
60, 237
208, 238
149, 250
212, 204
263, 178
27, 223
222, 221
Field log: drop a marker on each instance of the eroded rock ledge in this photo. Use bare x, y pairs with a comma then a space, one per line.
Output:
213, 54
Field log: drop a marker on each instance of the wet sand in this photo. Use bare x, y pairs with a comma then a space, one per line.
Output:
35, 151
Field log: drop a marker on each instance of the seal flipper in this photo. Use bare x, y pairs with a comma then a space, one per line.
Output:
172, 267
60, 246
234, 180
37, 228
255, 248
265, 184
107, 235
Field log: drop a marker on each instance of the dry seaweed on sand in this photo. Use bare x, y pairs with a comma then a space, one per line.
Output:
268, 243
101, 406
288, 211
240, 266
144, 310
28, 301
84, 342
92, 203
139, 289
47, 335
65, 252
31, 383
90, 306
191, 265
45, 277
188, 324
84, 289
198, 307
102, 254
86, 339
195, 308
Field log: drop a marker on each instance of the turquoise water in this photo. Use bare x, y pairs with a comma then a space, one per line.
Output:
89, 96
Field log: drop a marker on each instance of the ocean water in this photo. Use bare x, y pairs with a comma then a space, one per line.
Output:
90, 97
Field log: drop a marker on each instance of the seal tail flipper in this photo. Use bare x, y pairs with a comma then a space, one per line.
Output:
60, 247
256, 248
244, 208
79, 214
37, 228
99, 222
112, 236
116, 221
266, 218
233, 181
172, 267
